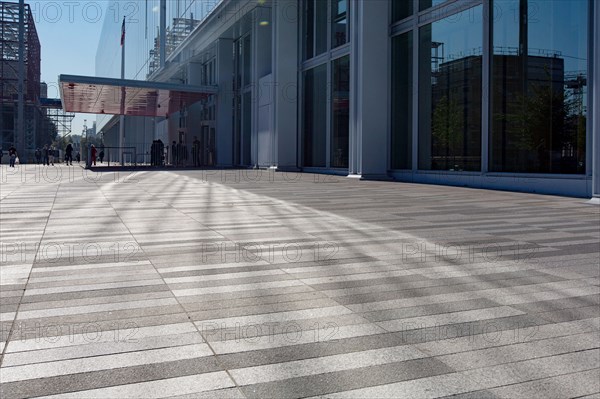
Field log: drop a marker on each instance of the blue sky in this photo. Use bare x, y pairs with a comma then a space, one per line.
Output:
69, 32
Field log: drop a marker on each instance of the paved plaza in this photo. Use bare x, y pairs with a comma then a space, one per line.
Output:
256, 284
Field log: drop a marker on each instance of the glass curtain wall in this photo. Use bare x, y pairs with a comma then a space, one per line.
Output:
326, 87
339, 23
242, 101
315, 116
401, 9
402, 101
142, 21
539, 86
538, 92
315, 28
450, 89
340, 113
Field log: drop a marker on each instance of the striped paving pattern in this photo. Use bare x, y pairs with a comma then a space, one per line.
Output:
255, 284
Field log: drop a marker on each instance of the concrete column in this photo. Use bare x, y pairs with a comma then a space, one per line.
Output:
224, 119
370, 112
596, 105
285, 76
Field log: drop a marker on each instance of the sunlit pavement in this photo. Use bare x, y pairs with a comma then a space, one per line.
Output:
233, 284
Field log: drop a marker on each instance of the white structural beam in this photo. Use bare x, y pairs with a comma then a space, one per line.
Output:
369, 119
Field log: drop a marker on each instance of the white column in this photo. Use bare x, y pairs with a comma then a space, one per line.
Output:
224, 120
596, 104
285, 76
370, 112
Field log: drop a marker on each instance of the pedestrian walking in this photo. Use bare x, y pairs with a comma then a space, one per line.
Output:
101, 156
51, 153
38, 155
46, 155
94, 152
12, 153
69, 154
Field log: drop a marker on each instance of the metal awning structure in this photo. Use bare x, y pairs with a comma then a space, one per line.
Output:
94, 95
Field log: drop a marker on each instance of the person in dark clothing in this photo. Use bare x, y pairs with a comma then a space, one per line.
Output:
38, 156
93, 152
12, 153
196, 151
101, 155
161, 152
46, 155
174, 158
69, 154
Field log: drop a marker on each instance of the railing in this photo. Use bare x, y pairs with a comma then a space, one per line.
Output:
117, 156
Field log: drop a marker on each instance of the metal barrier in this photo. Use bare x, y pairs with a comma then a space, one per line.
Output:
115, 156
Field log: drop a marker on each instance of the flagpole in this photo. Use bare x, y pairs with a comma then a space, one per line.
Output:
122, 115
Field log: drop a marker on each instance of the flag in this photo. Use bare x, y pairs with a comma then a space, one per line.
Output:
123, 32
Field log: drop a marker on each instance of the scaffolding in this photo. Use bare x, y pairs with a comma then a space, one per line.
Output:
175, 35
9, 78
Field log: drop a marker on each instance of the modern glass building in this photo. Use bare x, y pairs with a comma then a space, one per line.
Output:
481, 93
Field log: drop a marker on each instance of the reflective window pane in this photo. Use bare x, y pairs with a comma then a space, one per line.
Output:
339, 22
538, 96
315, 28
315, 116
450, 79
340, 113
402, 98
401, 9
425, 4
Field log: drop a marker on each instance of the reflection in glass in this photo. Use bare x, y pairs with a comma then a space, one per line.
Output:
401, 9
538, 97
339, 22
315, 28
402, 81
247, 66
424, 4
247, 127
341, 113
450, 78
315, 116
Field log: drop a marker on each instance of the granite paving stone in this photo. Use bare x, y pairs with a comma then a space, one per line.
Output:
212, 284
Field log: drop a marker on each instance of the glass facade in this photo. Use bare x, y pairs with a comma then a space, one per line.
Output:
340, 113
402, 101
450, 79
339, 23
401, 9
326, 88
539, 86
315, 28
425, 4
536, 103
315, 116
142, 21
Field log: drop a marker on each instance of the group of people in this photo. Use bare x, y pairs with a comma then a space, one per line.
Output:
48, 154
